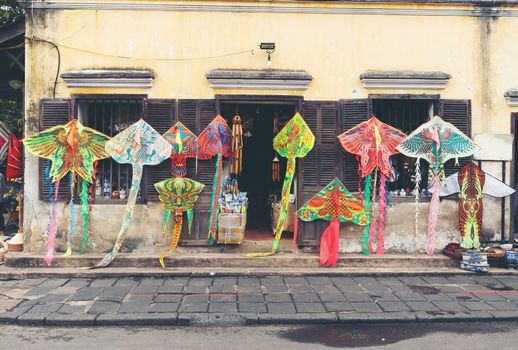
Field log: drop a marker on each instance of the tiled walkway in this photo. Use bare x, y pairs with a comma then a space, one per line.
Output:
257, 300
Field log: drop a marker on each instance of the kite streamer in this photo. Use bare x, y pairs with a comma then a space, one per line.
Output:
433, 214
367, 206
70, 148
373, 142
214, 202
85, 212
336, 204
51, 242
137, 145
436, 141
295, 140
177, 195
382, 212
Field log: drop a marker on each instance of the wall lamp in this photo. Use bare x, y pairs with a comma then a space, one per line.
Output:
269, 48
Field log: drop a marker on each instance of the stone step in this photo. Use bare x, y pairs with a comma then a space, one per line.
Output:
233, 260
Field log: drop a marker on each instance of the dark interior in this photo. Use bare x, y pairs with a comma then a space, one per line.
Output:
258, 154
405, 115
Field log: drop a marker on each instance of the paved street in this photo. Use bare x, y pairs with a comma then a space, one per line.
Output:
458, 336
233, 300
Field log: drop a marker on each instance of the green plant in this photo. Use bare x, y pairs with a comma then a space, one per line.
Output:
11, 116
10, 12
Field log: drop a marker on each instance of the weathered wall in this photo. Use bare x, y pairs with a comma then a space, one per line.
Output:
335, 49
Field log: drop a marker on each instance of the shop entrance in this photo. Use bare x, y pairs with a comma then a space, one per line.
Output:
261, 123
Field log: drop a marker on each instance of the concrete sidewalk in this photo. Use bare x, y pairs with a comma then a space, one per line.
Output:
257, 300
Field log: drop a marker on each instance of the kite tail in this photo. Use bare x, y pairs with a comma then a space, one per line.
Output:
128, 216
214, 205
85, 211
283, 213
178, 219
367, 207
167, 215
382, 211
329, 244
433, 214
295, 232
51, 243
91, 193
417, 181
189, 220
71, 214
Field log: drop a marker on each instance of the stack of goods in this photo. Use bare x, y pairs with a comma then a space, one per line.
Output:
473, 260
232, 218
511, 258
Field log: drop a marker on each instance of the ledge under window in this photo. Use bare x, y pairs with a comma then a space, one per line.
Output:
122, 79
268, 79
512, 97
404, 80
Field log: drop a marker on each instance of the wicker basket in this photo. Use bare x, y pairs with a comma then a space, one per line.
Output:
231, 228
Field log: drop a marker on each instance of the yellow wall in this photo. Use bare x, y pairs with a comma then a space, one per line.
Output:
479, 53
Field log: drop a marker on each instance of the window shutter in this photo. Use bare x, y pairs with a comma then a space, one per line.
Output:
161, 115
352, 113
196, 115
321, 164
458, 113
53, 112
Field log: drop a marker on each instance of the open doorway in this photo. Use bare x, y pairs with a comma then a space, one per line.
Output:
261, 123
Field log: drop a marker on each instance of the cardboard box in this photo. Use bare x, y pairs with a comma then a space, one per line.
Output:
288, 225
231, 228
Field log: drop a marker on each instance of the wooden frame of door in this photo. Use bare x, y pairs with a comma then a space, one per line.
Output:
514, 201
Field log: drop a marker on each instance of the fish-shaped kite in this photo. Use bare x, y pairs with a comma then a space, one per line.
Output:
472, 183
184, 144
336, 204
177, 195
70, 148
436, 141
137, 145
374, 142
215, 140
295, 140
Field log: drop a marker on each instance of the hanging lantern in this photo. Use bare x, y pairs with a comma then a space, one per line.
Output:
237, 145
276, 169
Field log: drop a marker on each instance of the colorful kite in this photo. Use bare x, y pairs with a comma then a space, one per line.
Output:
435, 141
184, 144
138, 145
472, 183
14, 168
4, 142
295, 140
177, 195
215, 140
336, 204
373, 142
70, 148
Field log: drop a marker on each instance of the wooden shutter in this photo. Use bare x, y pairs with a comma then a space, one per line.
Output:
457, 112
321, 164
53, 112
352, 113
196, 115
161, 115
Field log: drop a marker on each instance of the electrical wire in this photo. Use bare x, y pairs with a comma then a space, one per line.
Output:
59, 60
156, 58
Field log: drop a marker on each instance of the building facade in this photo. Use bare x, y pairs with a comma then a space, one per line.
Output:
110, 63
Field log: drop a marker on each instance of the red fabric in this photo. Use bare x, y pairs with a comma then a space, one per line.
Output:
329, 244
295, 233
14, 158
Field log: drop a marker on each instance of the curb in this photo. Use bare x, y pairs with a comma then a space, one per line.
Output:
109, 272
238, 319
